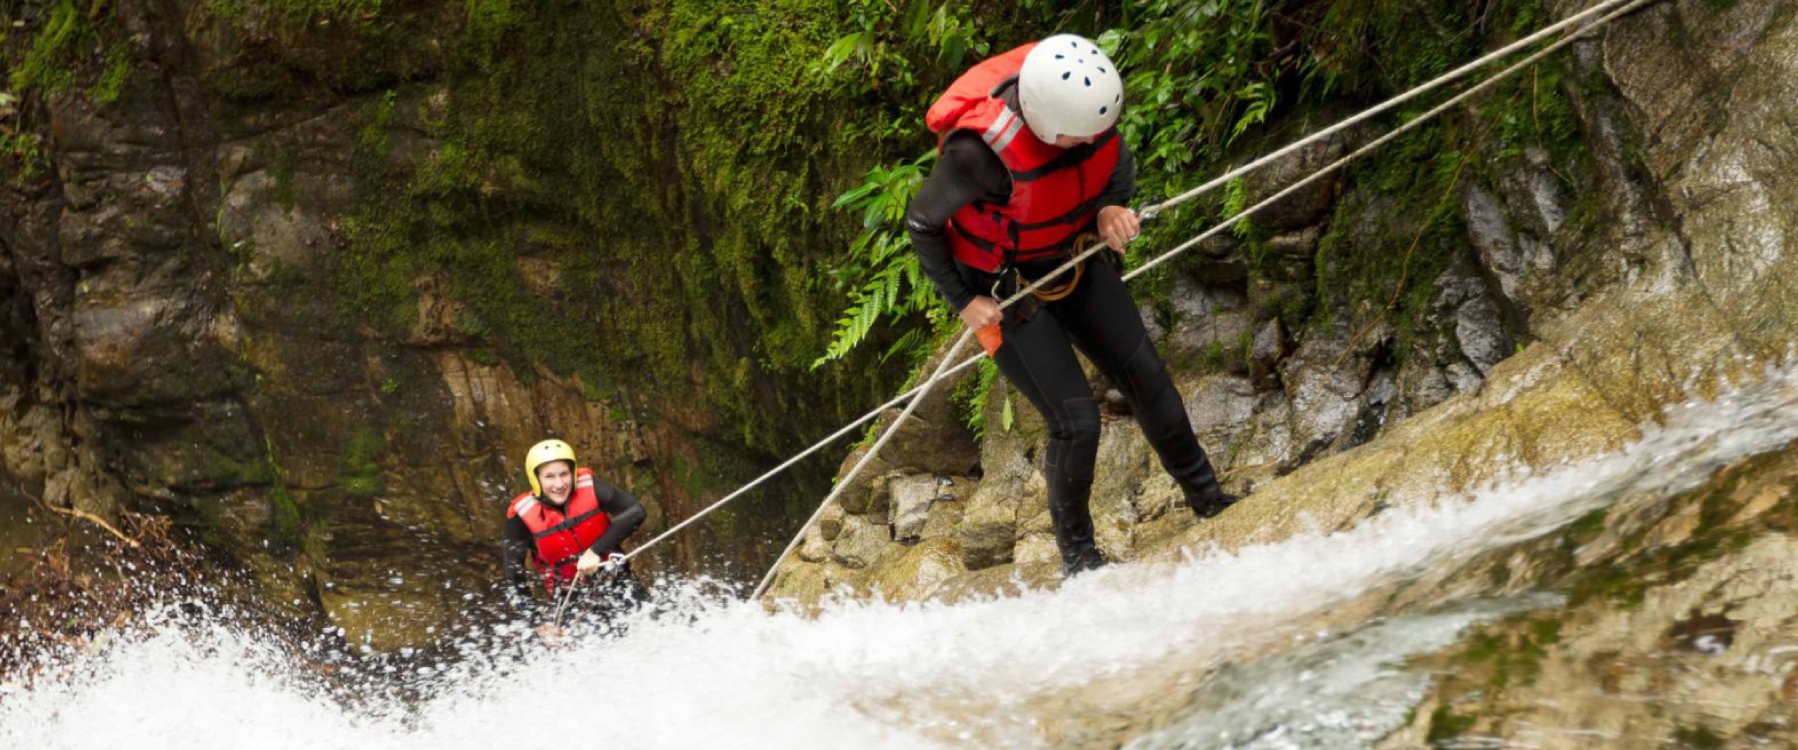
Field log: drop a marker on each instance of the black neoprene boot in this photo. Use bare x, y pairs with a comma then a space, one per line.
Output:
1209, 504
1072, 520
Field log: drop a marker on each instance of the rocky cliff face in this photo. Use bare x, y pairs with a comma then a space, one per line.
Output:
311, 277
1579, 292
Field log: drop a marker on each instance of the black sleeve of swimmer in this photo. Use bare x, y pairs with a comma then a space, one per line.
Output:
625, 512
517, 548
1122, 185
966, 172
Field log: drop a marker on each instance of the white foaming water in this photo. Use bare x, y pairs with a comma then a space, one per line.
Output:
862, 674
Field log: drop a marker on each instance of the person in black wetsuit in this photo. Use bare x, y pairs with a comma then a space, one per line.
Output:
565, 529
1030, 162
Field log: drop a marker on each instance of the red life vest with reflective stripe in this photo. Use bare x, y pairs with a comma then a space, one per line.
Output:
1054, 191
561, 534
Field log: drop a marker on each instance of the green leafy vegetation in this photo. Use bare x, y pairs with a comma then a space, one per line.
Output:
1211, 83
894, 286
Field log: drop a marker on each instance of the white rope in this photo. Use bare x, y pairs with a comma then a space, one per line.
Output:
942, 373
868, 457
567, 593
1389, 104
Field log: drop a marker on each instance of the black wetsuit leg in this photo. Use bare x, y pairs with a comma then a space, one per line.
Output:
1103, 321
1037, 357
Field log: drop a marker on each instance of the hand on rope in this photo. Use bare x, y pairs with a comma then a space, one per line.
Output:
980, 312
1118, 225
552, 635
567, 593
592, 562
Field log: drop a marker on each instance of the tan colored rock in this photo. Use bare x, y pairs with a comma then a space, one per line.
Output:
830, 522
945, 517
1036, 547
987, 533
915, 574
815, 548
861, 542
912, 497
999, 581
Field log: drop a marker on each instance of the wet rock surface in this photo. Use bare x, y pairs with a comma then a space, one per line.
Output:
176, 335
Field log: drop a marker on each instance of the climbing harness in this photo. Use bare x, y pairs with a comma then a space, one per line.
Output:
1060, 292
1610, 10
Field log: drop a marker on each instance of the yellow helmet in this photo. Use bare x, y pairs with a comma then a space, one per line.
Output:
542, 453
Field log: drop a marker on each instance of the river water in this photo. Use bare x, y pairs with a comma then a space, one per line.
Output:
1319, 641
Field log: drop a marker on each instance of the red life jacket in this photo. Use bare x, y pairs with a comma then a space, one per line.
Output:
1054, 191
561, 535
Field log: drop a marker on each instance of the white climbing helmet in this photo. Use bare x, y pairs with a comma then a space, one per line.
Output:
1068, 86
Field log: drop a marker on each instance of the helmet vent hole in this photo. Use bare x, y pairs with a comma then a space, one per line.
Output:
1117, 98
1103, 109
1089, 81
1061, 57
1064, 76
1101, 70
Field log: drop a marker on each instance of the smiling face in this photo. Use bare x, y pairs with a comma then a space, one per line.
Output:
557, 478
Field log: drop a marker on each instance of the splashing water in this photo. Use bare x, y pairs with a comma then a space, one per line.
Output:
1198, 644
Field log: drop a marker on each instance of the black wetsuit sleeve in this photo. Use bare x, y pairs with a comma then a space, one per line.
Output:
517, 548
1122, 185
625, 515
965, 172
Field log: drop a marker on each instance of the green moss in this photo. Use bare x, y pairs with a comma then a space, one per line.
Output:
230, 10
361, 463
488, 21
119, 63
1446, 725
1587, 527
282, 171
1546, 632
53, 63
1214, 356
286, 523
306, 10
372, 141
28, 152
1697, 738
75, 46
246, 83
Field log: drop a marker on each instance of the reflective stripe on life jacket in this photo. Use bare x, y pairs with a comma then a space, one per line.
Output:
1054, 191
561, 534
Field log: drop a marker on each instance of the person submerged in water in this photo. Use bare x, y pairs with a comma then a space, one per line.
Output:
569, 526
1030, 162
